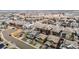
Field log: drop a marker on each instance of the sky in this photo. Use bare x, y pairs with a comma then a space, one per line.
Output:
39, 4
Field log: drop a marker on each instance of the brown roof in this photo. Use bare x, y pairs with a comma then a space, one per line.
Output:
42, 36
53, 38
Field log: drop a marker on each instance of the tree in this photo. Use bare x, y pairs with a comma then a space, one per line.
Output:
3, 23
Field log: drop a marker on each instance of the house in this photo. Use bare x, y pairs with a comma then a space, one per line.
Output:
54, 40
41, 38
33, 34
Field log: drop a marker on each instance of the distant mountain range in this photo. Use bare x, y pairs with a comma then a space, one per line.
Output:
73, 12
53, 11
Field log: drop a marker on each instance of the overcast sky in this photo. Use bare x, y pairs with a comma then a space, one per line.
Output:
39, 4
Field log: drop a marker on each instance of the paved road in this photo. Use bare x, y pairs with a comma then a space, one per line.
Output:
18, 43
